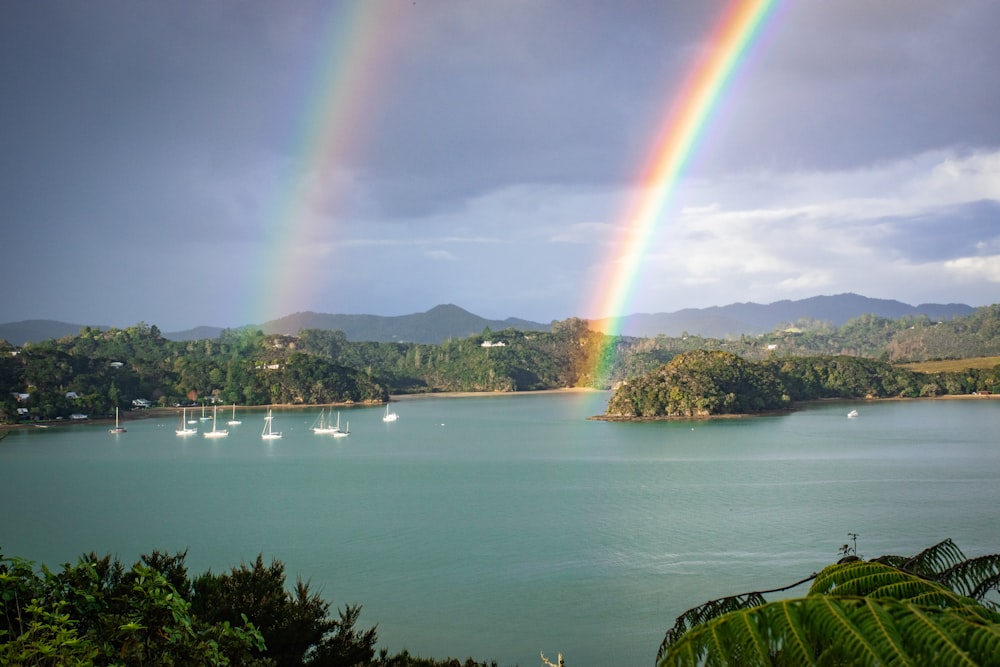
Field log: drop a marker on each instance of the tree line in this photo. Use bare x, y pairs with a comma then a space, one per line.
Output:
98, 370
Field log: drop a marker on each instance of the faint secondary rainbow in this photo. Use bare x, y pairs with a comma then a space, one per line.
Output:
676, 140
327, 122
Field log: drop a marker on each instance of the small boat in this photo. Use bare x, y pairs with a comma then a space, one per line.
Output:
267, 433
183, 429
117, 428
852, 414
342, 434
214, 433
204, 418
234, 421
323, 426
389, 416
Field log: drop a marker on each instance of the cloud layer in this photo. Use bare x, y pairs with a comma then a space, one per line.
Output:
152, 154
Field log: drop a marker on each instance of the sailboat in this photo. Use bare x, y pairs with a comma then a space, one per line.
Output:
234, 421
342, 434
117, 428
389, 416
322, 424
183, 429
203, 417
267, 433
215, 433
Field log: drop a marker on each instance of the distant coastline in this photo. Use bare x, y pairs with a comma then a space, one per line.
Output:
136, 415
480, 394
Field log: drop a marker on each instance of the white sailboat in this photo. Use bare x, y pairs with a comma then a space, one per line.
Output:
342, 434
234, 421
389, 416
214, 433
117, 428
323, 426
204, 418
267, 433
183, 429
852, 414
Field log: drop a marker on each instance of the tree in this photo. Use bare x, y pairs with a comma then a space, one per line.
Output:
931, 608
296, 625
94, 613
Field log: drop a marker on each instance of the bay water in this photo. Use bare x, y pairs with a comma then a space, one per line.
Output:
500, 527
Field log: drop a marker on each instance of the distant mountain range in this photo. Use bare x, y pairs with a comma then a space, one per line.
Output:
449, 321
755, 318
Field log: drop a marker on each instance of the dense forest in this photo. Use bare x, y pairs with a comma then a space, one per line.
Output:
935, 607
98, 370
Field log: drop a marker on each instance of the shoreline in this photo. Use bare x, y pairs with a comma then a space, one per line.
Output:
135, 415
490, 394
151, 413
797, 405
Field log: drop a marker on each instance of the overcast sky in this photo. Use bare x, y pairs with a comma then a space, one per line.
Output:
223, 163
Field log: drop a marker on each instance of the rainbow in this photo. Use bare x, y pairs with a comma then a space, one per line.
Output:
676, 140
329, 124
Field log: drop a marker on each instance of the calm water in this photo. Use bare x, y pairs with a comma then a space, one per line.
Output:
501, 527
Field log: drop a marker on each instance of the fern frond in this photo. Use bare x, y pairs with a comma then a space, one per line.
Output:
706, 612
933, 638
785, 622
894, 610
892, 561
824, 629
857, 578
932, 561
975, 577
873, 619
832, 618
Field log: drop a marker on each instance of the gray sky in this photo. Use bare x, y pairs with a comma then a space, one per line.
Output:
223, 163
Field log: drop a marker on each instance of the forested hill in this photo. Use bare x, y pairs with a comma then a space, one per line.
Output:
434, 326
97, 370
704, 383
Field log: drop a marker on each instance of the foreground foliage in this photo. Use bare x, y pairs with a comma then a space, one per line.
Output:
929, 609
99, 612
